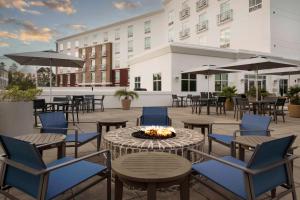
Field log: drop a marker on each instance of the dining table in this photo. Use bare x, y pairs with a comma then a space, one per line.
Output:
260, 106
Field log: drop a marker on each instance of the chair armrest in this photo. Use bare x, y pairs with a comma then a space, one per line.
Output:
239, 131
54, 128
247, 170
226, 123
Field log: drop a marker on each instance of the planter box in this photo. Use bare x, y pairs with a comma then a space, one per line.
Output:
16, 118
294, 110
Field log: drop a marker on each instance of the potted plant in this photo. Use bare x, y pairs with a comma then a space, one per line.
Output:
294, 106
128, 96
229, 92
16, 111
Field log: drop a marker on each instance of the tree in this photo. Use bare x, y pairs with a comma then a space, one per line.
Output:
13, 67
43, 77
21, 80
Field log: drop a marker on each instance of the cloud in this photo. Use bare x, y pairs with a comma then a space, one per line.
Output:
4, 44
63, 6
77, 27
21, 5
28, 32
125, 5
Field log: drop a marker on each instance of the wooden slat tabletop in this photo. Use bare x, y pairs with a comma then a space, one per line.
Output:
40, 139
252, 141
151, 167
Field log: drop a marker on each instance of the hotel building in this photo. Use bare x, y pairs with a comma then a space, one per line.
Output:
150, 51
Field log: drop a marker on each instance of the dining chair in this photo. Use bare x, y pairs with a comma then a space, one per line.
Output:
269, 167
55, 122
39, 106
175, 100
154, 116
99, 102
250, 125
196, 104
24, 169
278, 109
220, 105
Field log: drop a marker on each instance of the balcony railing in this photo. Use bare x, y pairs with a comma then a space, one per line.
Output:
255, 7
225, 17
202, 26
171, 23
130, 49
184, 13
184, 33
201, 4
227, 45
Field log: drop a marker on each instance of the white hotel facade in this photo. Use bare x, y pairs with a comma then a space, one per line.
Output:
156, 47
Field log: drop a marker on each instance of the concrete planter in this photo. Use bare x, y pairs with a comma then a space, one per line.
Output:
16, 118
126, 104
294, 110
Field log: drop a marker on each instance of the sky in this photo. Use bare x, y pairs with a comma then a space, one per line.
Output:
34, 25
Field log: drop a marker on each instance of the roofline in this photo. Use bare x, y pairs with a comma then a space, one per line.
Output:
112, 24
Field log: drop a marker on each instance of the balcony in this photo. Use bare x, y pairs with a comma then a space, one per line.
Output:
147, 30
202, 26
184, 34
171, 23
130, 49
225, 17
201, 4
255, 7
226, 45
185, 13
103, 53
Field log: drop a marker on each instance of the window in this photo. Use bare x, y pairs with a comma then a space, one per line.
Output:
117, 76
93, 51
76, 43
225, 38
103, 76
147, 27
103, 65
130, 46
157, 82
185, 11
93, 77
148, 43
68, 45
117, 48
117, 63
117, 34
221, 81
171, 18
226, 14
61, 47
105, 37
224, 7
137, 82
185, 31
83, 67
250, 82
203, 23
188, 82
83, 53
104, 50
93, 65
254, 5
171, 35
130, 31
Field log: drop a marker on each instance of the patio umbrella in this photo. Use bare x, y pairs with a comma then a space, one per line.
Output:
208, 70
289, 72
46, 58
258, 63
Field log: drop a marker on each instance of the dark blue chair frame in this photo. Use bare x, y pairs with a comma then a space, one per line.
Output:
245, 129
24, 169
155, 112
258, 175
62, 128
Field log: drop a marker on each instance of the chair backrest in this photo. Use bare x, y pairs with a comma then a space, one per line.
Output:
189, 96
174, 96
39, 104
204, 95
280, 102
221, 99
155, 116
26, 154
265, 155
102, 98
53, 122
89, 96
78, 97
255, 125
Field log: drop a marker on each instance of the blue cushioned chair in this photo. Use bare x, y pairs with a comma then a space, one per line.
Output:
154, 116
268, 168
24, 169
250, 125
55, 122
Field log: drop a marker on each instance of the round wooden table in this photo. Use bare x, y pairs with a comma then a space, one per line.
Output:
117, 123
197, 123
152, 170
121, 142
45, 141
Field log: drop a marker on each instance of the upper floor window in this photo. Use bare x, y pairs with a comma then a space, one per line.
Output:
117, 34
103, 76
105, 37
93, 51
103, 64
225, 38
203, 23
157, 82
185, 12
130, 31
171, 18
137, 82
117, 48
147, 42
104, 50
188, 82
93, 77
130, 46
185, 31
226, 13
68, 45
85, 41
254, 5
76, 44
61, 47
117, 63
93, 66
83, 53
117, 76
147, 26
77, 54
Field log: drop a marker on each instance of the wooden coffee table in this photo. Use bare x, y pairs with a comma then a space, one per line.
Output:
45, 141
151, 170
117, 123
197, 123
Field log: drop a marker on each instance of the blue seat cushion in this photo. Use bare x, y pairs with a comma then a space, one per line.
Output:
82, 137
67, 177
226, 176
227, 139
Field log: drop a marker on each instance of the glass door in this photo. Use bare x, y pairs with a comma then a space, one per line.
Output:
283, 86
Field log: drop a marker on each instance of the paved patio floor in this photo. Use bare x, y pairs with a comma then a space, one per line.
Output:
197, 191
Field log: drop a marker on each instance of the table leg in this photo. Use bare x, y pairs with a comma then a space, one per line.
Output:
118, 126
124, 125
61, 150
118, 188
208, 109
107, 128
241, 152
151, 191
185, 189
203, 130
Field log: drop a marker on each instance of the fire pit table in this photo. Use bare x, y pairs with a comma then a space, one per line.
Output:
121, 142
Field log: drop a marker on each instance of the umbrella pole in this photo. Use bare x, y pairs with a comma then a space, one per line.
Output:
289, 83
50, 80
208, 85
256, 77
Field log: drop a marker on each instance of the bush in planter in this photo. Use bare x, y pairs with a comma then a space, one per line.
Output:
294, 107
128, 96
229, 92
14, 94
261, 93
